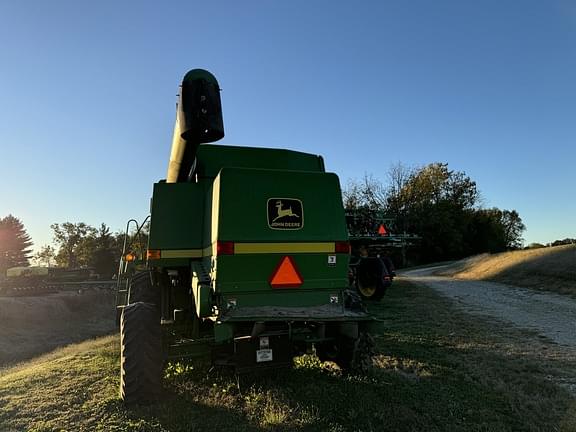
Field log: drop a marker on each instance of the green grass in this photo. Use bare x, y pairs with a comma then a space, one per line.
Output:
436, 370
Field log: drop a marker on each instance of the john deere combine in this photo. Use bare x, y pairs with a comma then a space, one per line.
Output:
247, 258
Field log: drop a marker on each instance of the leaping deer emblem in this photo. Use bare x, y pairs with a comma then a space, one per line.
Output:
283, 212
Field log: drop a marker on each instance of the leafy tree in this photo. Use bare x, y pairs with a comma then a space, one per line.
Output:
435, 202
398, 177
434, 184
440, 205
513, 228
495, 230
485, 232
15, 244
82, 245
103, 258
70, 238
46, 256
352, 195
367, 193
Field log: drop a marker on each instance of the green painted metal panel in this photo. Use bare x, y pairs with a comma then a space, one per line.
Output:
249, 273
177, 215
213, 157
287, 298
242, 213
243, 197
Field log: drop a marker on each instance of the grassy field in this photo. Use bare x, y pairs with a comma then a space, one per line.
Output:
549, 269
436, 370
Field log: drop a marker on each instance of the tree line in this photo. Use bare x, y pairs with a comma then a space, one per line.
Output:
440, 205
563, 242
75, 245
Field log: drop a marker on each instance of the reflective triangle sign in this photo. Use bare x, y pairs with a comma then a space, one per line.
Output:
382, 230
286, 275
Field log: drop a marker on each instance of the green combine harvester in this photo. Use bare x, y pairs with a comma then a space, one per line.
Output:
247, 258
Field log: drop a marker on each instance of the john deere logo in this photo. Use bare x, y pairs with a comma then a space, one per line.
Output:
285, 213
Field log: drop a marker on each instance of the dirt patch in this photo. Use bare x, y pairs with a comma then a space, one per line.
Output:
30, 326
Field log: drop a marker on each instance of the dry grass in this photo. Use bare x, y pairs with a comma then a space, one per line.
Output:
550, 269
30, 326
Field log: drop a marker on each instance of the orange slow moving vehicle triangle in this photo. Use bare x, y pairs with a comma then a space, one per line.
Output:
382, 230
286, 275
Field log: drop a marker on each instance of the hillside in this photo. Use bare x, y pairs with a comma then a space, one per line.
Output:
436, 369
550, 269
30, 326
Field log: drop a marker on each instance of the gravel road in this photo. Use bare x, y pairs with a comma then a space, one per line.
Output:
551, 315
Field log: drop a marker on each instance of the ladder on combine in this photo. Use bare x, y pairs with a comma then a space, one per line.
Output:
129, 261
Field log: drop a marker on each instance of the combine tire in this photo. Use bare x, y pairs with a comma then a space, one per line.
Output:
327, 351
141, 359
364, 350
142, 289
370, 278
351, 355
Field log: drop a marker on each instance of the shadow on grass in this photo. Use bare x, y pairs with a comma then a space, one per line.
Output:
402, 393
436, 370
309, 397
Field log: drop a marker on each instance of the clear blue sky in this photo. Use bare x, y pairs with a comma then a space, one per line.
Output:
87, 96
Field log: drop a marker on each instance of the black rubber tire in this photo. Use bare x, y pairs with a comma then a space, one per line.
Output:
141, 359
142, 288
340, 351
326, 351
370, 274
364, 351
345, 355
351, 355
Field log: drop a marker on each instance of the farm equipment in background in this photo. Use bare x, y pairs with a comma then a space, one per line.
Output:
247, 258
375, 245
26, 281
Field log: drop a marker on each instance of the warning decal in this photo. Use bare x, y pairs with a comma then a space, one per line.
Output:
286, 275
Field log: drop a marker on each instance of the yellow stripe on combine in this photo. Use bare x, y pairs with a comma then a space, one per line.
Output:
252, 248
259, 248
208, 251
181, 253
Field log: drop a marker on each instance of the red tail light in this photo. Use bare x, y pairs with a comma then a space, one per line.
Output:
224, 248
342, 247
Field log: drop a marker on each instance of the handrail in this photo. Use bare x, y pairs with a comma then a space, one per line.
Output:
127, 245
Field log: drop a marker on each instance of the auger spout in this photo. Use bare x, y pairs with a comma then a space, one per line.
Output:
198, 120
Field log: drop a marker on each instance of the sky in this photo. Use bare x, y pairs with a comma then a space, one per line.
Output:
88, 92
